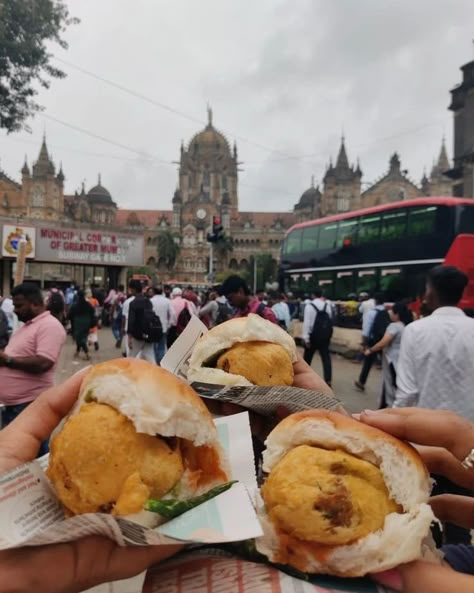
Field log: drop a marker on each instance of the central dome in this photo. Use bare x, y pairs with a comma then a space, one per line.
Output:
209, 140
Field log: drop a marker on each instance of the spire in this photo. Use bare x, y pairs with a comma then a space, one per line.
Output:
44, 165
209, 116
25, 170
312, 181
342, 160
99, 180
443, 161
394, 165
235, 150
60, 175
358, 169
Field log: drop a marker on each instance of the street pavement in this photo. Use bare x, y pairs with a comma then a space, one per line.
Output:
344, 372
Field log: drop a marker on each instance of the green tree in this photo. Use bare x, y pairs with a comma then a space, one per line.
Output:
267, 269
27, 27
224, 246
168, 248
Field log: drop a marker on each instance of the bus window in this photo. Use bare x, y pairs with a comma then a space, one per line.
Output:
327, 236
391, 283
310, 238
394, 225
366, 281
369, 229
422, 221
308, 283
326, 283
293, 242
347, 233
466, 220
344, 285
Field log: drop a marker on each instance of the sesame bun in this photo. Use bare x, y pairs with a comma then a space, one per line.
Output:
406, 478
222, 337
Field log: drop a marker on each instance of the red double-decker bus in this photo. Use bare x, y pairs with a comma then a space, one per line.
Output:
386, 248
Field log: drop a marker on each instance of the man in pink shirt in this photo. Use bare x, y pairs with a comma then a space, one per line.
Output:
27, 364
237, 292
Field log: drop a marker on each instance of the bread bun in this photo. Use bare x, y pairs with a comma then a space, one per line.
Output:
106, 456
252, 328
407, 481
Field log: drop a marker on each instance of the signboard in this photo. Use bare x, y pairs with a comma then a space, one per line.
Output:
12, 237
86, 246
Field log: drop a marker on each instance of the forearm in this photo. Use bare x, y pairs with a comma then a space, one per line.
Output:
30, 364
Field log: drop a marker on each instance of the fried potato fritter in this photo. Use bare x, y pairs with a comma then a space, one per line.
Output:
99, 463
330, 497
262, 363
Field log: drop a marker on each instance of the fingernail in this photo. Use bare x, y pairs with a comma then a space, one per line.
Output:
371, 412
356, 416
389, 578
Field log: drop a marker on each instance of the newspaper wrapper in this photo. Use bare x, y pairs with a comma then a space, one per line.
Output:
30, 513
217, 571
262, 400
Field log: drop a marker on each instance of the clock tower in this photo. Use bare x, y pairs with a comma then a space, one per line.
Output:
207, 187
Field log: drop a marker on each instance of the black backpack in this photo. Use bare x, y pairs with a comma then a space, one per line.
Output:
184, 318
322, 329
152, 330
379, 325
224, 313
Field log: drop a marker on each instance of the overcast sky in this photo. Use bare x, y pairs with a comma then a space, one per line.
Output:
284, 78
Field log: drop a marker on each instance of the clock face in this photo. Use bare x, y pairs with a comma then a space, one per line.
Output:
201, 213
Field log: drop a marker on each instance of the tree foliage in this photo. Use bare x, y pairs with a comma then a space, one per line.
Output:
168, 248
27, 27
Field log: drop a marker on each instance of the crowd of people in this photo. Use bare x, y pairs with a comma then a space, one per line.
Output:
426, 396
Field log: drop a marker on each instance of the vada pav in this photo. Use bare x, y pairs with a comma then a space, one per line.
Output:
136, 433
244, 351
341, 497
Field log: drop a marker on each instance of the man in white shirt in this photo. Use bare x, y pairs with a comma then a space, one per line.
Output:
436, 363
282, 312
162, 307
311, 312
436, 366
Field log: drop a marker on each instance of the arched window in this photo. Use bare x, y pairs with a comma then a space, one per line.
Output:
151, 261
233, 265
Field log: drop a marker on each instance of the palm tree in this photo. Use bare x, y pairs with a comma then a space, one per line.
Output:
168, 249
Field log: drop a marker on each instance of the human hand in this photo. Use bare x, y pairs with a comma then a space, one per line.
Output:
68, 567
304, 378
445, 439
367, 352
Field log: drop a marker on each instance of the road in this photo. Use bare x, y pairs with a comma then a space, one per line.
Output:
344, 372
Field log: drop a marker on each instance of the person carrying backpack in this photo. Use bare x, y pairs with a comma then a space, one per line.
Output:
144, 328
317, 332
55, 305
373, 331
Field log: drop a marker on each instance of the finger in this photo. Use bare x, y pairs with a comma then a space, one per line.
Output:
440, 461
453, 508
425, 427
424, 577
76, 566
306, 378
25, 434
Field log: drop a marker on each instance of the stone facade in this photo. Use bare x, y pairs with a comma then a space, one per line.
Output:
41, 196
208, 187
462, 106
342, 187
